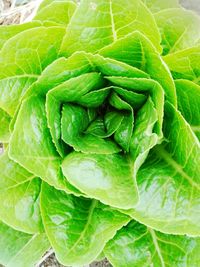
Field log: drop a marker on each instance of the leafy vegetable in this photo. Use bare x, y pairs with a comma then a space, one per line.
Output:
142, 246
19, 249
100, 119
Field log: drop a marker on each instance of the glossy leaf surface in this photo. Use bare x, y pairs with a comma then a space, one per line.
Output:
19, 249
78, 228
142, 246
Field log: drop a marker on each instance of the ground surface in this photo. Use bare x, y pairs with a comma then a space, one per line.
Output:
17, 11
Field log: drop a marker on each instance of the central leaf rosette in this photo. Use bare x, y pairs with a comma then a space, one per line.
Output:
106, 123
89, 121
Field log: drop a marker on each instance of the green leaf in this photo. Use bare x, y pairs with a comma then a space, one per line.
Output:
22, 59
19, 249
19, 197
29, 52
137, 245
69, 91
11, 89
77, 228
157, 5
45, 3
58, 72
188, 94
185, 64
99, 23
80, 63
9, 31
122, 136
179, 29
73, 133
31, 145
146, 87
168, 181
143, 137
61, 71
4, 126
108, 178
136, 50
57, 12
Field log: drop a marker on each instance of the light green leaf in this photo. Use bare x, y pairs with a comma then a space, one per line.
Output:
22, 59
29, 52
45, 3
185, 64
31, 145
179, 28
168, 181
4, 126
136, 50
137, 245
19, 197
101, 257
58, 72
12, 173
99, 23
19, 249
188, 94
11, 89
108, 178
57, 12
9, 31
78, 228
157, 5
80, 63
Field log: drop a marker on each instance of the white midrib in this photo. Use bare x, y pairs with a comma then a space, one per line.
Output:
112, 22
23, 248
168, 158
155, 242
90, 213
195, 128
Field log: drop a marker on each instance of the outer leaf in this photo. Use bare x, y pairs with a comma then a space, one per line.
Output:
19, 197
108, 178
77, 228
45, 3
9, 31
169, 182
188, 94
185, 64
29, 52
157, 5
58, 72
99, 23
31, 145
137, 245
4, 126
18, 249
22, 59
136, 50
58, 12
180, 29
